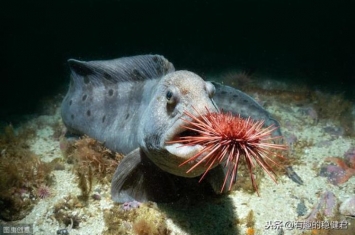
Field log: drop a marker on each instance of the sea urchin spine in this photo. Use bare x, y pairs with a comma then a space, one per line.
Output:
227, 139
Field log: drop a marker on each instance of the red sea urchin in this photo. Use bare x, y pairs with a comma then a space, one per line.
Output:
227, 139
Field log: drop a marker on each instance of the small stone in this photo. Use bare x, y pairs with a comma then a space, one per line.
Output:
301, 208
347, 207
96, 196
130, 205
63, 231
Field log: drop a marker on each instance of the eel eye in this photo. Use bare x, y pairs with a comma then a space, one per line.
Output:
169, 94
169, 97
172, 96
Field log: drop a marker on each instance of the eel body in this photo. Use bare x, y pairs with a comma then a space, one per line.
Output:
134, 105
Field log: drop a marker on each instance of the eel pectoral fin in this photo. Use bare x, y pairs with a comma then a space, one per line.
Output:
137, 178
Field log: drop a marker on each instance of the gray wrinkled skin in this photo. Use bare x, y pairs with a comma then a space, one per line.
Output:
161, 120
134, 105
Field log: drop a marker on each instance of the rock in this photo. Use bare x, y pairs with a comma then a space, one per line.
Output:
347, 207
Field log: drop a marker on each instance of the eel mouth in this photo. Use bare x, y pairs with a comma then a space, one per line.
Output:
187, 132
174, 144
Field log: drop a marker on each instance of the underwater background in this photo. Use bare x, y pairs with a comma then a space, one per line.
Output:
296, 58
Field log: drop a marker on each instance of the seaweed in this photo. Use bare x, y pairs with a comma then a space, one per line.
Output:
22, 173
85, 181
92, 162
58, 130
326, 104
337, 108
250, 223
145, 219
64, 211
57, 164
88, 153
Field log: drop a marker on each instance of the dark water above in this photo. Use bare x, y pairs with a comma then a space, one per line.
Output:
311, 42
